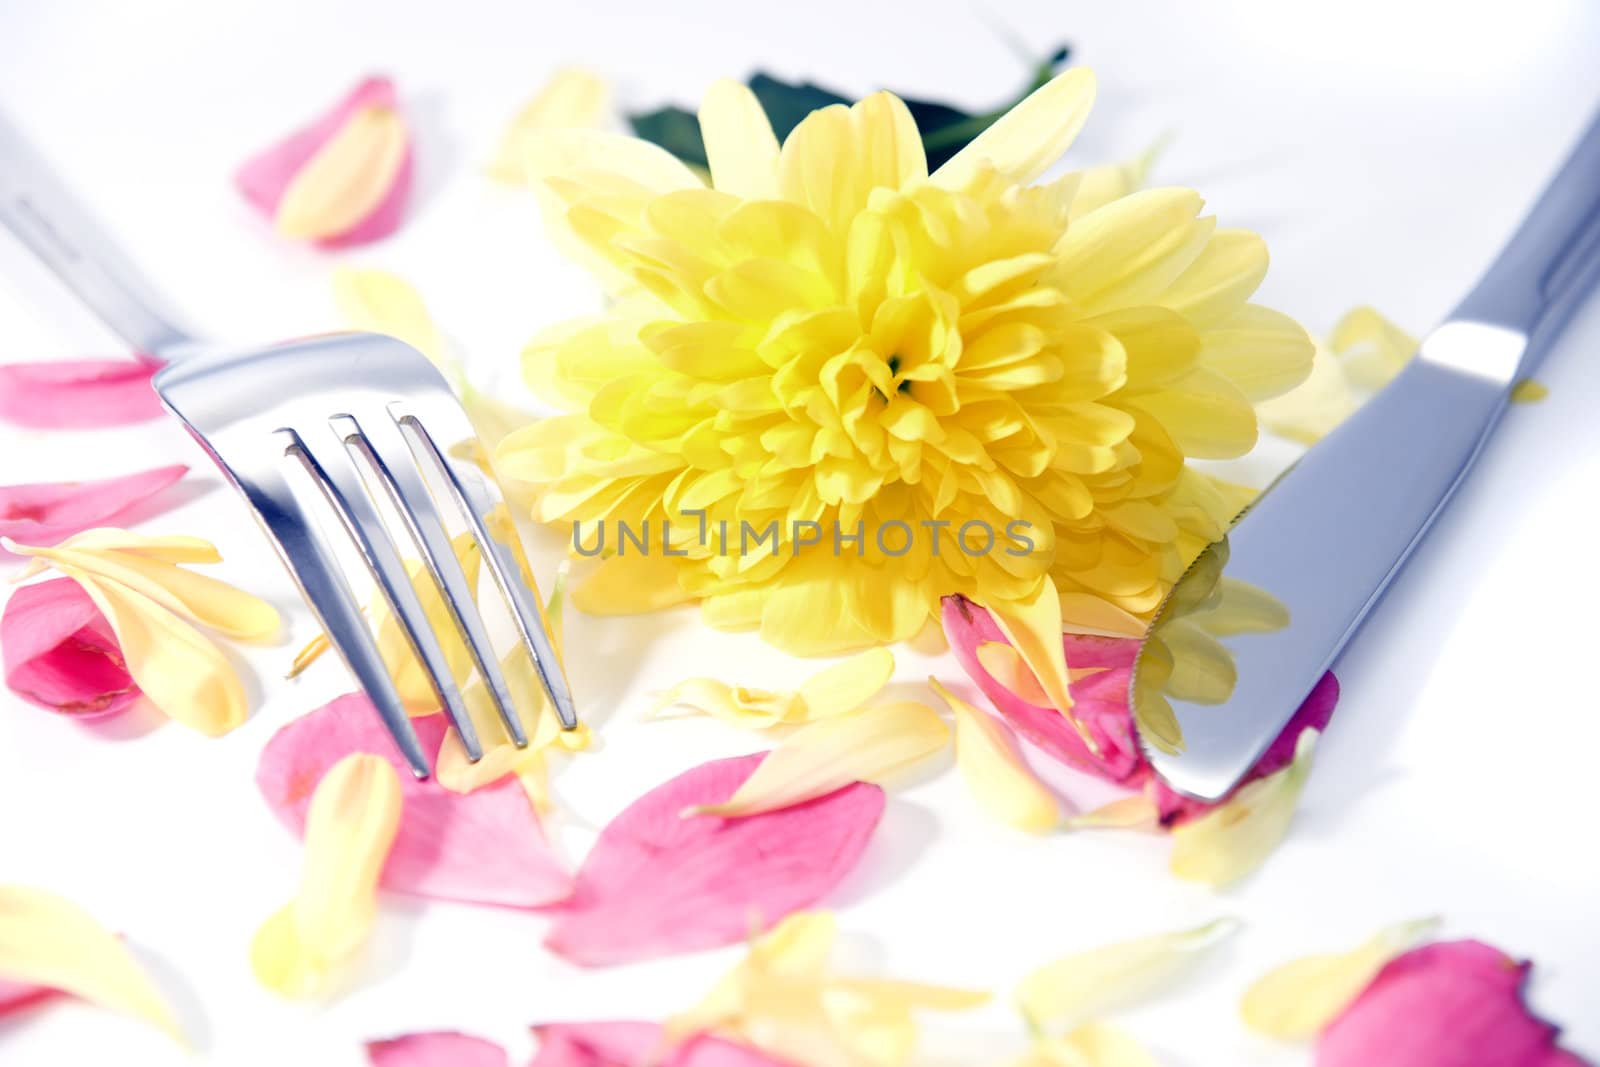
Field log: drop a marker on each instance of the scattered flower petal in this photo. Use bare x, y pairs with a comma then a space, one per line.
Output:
485, 847
1089, 1045
658, 883
144, 597
829, 754
628, 1044
1099, 678
15, 996
1450, 1004
438, 1049
44, 513
834, 691
47, 943
350, 827
379, 302
1232, 840
1137, 812
78, 394
1362, 354
1293, 1002
1084, 985
343, 180
1100, 702
784, 999
60, 652
572, 99
1529, 391
995, 773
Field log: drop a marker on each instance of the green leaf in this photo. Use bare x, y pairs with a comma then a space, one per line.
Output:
674, 129
945, 129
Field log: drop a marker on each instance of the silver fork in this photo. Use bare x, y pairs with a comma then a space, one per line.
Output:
354, 420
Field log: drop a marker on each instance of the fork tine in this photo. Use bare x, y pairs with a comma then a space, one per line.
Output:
389, 454
348, 494
478, 497
316, 570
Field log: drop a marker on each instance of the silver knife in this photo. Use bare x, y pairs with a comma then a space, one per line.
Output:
1331, 534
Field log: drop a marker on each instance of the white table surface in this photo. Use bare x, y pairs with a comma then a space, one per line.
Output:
1383, 149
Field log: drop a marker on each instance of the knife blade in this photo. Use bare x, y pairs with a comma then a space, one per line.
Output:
1328, 537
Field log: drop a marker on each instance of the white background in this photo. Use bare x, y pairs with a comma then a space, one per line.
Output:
1383, 149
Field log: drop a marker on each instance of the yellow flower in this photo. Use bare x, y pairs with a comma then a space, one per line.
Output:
784, 999
831, 335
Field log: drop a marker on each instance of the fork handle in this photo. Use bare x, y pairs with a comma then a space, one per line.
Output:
36, 206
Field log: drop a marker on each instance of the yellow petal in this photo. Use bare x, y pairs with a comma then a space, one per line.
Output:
51, 942
379, 302
501, 757
630, 585
740, 146
756, 709
347, 178
829, 754
1088, 984
1033, 626
1002, 784
833, 160
1370, 347
350, 826
213, 603
847, 685
1085, 613
1242, 608
1229, 842
1261, 352
1295, 1001
571, 99
1311, 410
1089, 1045
1137, 812
175, 666
1222, 277
1529, 391
1025, 141
1204, 414
410, 679
1097, 186
171, 548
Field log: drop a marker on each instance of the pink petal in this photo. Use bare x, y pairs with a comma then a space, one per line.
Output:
630, 1044
1176, 809
439, 1049
77, 394
485, 847
43, 513
1102, 699
264, 177
14, 996
60, 653
657, 883
1102, 704
1451, 1004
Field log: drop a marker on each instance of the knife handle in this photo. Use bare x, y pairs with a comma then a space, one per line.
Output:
45, 217
1540, 276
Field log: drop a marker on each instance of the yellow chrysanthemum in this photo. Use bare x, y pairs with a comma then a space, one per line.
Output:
831, 335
